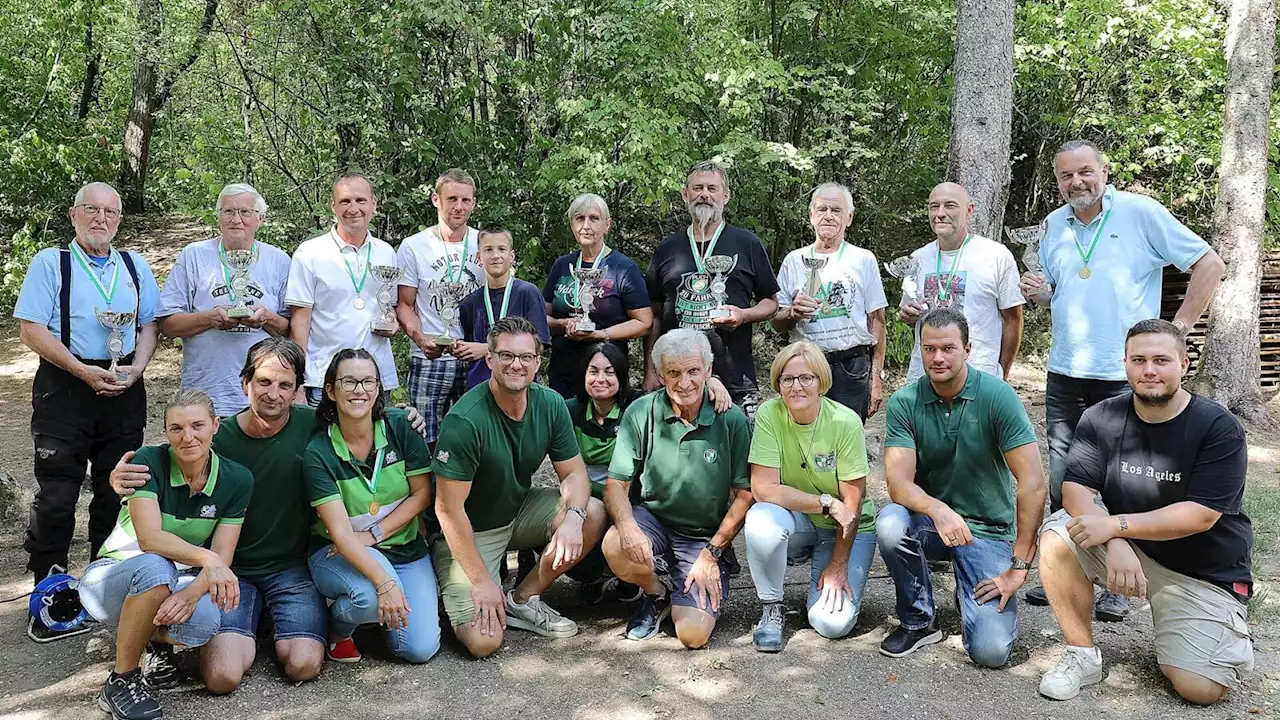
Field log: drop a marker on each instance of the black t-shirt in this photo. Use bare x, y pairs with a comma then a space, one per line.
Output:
1199, 456
686, 303
622, 289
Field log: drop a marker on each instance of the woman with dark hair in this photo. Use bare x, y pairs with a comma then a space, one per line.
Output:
366, 473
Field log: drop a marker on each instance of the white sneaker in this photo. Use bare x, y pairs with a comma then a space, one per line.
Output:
1078, 668
539, 617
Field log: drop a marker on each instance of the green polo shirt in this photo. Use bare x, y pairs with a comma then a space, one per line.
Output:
278, 524
685, 471
191, 516
479, 444
960, 448
367, 492
817, 457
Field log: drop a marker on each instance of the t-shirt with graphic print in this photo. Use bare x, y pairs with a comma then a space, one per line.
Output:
687, 300
849, 288
1200, 456
981, 279
370, 488
428, 262
192, 517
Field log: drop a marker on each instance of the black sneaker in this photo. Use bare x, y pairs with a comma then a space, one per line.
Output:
904, 642
609, 588
649, 616
1110, 607
127, 697
1036, 596
160, 667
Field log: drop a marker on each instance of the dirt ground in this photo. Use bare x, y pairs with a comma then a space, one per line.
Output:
600, 676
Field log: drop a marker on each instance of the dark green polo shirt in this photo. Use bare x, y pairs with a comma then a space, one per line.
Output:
685, 471
479, 444
334, 475
278, 524
960, 448
192, 517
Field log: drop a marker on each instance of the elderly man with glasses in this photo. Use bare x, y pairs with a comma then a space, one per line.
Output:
88, 310
220, 312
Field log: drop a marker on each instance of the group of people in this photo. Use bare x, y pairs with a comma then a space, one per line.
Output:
292, 501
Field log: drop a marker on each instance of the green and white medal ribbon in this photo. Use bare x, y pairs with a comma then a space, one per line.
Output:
1085, 257
358, 284
506, 299
450, 274
699, 260
107, 293
945, 290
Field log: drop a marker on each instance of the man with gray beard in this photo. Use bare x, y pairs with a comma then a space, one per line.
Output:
713, 277
1103, 255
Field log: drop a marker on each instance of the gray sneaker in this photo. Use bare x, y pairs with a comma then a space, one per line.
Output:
538, 617
767, 636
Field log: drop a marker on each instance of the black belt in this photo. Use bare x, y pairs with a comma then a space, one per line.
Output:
839, 356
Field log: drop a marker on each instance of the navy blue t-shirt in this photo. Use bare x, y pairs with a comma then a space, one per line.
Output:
525, 302
621, 289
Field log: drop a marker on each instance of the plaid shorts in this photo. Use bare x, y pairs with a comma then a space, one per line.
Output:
434, 386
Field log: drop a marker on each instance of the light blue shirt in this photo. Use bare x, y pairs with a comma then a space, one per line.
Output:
39, 300
1091, 317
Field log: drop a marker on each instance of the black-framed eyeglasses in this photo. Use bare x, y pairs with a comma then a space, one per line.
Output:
349, 384
806, 380
91, 210
506, 358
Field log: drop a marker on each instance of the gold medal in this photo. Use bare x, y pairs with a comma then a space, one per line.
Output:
359, 303
374, 507
1085, 273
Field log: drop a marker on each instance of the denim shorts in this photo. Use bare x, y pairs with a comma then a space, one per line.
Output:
108, 582
678, 552
297, 608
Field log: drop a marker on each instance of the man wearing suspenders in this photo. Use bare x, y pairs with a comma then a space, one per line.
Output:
83, 410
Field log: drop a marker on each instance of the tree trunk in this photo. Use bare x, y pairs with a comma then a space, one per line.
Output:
1229, 370
141, 119
92, 66
982, 108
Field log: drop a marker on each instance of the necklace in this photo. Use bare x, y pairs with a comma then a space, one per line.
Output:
805, 451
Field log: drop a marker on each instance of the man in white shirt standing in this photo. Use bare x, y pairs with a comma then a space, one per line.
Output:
448, 252
843, 312
973, 274
331, 290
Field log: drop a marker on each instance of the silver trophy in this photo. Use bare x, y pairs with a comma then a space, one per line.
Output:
587, 285
389, 276
116, 322
450, 293
1031, 237
904, 268
721, 265
239, 262
812, 282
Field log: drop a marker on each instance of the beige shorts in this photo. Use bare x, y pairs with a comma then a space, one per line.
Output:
1200, 627
531, 530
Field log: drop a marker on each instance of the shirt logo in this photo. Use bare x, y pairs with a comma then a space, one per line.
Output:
443, 456
1150, 472
392, 458
710, 455
825, 462
209, 511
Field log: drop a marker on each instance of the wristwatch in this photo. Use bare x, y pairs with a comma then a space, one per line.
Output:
579, 511
826, 501
716, 551
376, 531
1018, 563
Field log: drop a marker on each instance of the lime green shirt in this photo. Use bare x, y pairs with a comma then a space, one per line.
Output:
833, 449
479, 444
685, 471
191, 516
960, 447
370, 488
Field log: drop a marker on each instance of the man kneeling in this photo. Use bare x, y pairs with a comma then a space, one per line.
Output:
688, 461
1151, 498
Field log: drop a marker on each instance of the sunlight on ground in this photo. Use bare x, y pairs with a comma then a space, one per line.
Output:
1258, 453
83, 684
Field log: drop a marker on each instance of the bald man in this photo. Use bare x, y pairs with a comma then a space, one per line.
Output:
973, 274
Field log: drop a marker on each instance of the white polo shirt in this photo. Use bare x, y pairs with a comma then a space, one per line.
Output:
423, 258
319, 279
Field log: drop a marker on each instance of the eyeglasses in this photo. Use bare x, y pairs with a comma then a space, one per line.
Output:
806, 380
92, 210
233, 213
825, 210
506, 358
349, 384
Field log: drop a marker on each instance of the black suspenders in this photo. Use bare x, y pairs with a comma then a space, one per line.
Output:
64, 294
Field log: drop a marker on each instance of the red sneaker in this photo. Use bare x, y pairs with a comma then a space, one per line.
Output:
344, 651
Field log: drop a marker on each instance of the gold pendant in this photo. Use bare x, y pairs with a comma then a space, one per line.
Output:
374, 507
1085, 273
359, 303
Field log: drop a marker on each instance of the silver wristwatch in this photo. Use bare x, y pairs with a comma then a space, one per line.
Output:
376, 531
579, 511
827, 501
1018, 563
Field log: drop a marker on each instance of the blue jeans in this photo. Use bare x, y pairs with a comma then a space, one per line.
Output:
908, 541
776, 535
297, 608
355, 601
108, 582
